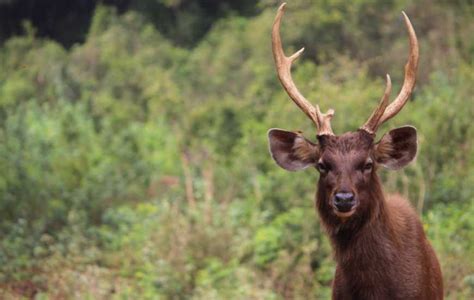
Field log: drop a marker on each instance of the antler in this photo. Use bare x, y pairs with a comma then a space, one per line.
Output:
283, 67
383, 112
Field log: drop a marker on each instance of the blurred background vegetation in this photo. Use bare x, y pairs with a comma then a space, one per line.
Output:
133, 149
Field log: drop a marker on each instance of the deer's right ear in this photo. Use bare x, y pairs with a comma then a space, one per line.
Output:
291, 150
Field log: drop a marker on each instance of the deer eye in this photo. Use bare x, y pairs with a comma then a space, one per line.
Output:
322, 167
368, 166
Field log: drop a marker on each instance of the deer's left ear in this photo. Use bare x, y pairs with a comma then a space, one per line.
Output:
397, 148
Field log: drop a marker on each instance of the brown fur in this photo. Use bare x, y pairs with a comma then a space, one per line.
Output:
381, 250
379, 245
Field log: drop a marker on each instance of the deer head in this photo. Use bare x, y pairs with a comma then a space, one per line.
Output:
347, 163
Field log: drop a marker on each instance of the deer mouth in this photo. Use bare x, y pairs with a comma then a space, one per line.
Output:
344, 214
346, 210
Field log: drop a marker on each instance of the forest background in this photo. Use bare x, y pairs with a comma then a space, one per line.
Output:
133, 149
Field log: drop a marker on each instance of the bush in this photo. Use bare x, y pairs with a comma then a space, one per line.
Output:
133, 166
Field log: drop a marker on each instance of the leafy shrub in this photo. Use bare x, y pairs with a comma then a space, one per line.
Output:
132, 166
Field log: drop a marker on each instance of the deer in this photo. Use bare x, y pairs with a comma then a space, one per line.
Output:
378, 241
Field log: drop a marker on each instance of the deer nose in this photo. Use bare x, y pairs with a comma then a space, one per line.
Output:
344, 201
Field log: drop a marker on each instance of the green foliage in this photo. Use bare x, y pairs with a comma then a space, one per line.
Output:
142, 168
450, 228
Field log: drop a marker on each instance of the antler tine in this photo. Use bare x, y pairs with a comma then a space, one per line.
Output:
283, 66
373, 122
